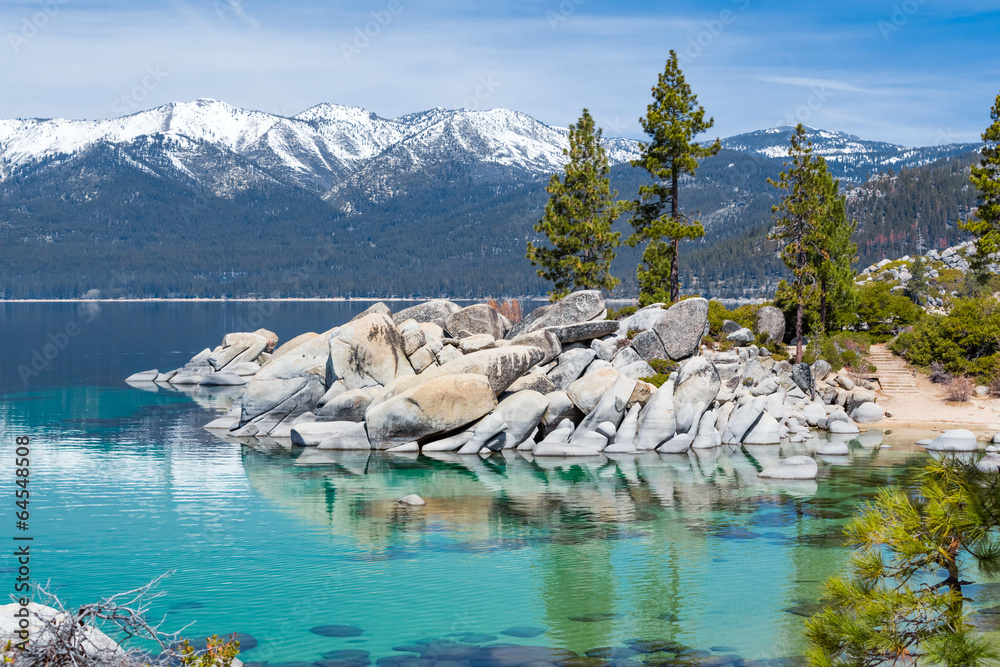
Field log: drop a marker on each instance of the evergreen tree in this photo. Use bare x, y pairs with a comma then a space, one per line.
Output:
672, 121
798, 219
916, 287
986, 177
832, 252
578, 218
903, 602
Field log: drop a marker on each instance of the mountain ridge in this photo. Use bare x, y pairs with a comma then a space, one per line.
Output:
207, 199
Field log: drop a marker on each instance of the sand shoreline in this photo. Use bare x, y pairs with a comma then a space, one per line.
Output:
338, 299
929, 409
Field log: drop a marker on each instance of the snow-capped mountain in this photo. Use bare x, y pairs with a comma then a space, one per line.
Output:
341, 151
203, 198
321, 149
847, 155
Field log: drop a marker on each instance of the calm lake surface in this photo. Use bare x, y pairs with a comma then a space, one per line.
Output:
690, 553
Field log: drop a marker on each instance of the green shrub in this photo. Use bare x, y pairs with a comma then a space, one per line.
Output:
845, 349
621, 313
657, 380
746, 315
966, 341
717, 313
664, 366
882, 313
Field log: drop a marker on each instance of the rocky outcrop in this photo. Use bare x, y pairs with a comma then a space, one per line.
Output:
562, 382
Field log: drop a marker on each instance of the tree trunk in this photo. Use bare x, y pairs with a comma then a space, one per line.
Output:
799, 300
822, 303
675, 286
798, 332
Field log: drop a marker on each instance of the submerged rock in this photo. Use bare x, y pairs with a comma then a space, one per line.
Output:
956, 440
795, 467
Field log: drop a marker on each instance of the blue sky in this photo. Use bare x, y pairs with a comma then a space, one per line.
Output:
916, 72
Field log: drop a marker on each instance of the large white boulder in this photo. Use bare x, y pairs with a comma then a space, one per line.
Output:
697, 385
682, 327
844, 427
368, 352
657, 422
767, 431
868, 413
434, 407
522, 413
289, 386
587, 391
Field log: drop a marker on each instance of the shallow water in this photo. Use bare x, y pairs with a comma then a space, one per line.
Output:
273, 542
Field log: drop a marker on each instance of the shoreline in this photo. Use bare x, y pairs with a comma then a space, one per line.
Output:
336, 299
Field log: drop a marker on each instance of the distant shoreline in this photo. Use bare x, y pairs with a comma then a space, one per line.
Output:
339, 299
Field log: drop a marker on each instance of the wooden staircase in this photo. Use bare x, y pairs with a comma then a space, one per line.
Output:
894, 377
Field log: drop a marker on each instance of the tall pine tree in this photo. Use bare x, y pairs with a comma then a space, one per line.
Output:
831, 253
578, 218
798, 219
986, 177
672, 121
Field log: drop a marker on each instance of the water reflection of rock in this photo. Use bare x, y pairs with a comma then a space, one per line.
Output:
583, 516
472, 491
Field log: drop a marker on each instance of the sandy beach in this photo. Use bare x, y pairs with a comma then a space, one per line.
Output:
929, 408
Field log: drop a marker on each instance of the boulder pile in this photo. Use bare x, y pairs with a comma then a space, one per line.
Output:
898, 273
564, 381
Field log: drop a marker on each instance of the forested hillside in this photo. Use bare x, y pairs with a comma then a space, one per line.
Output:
135, 219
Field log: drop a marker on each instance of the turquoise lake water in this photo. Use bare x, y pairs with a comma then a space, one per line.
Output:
685, 552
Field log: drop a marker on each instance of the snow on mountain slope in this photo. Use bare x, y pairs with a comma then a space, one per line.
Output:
331, 147
317, 149
848, 155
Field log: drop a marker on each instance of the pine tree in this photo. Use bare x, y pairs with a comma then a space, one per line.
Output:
578, 218
916, 287
903, 602
986, 177
672, 121
832, 252
798, 219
